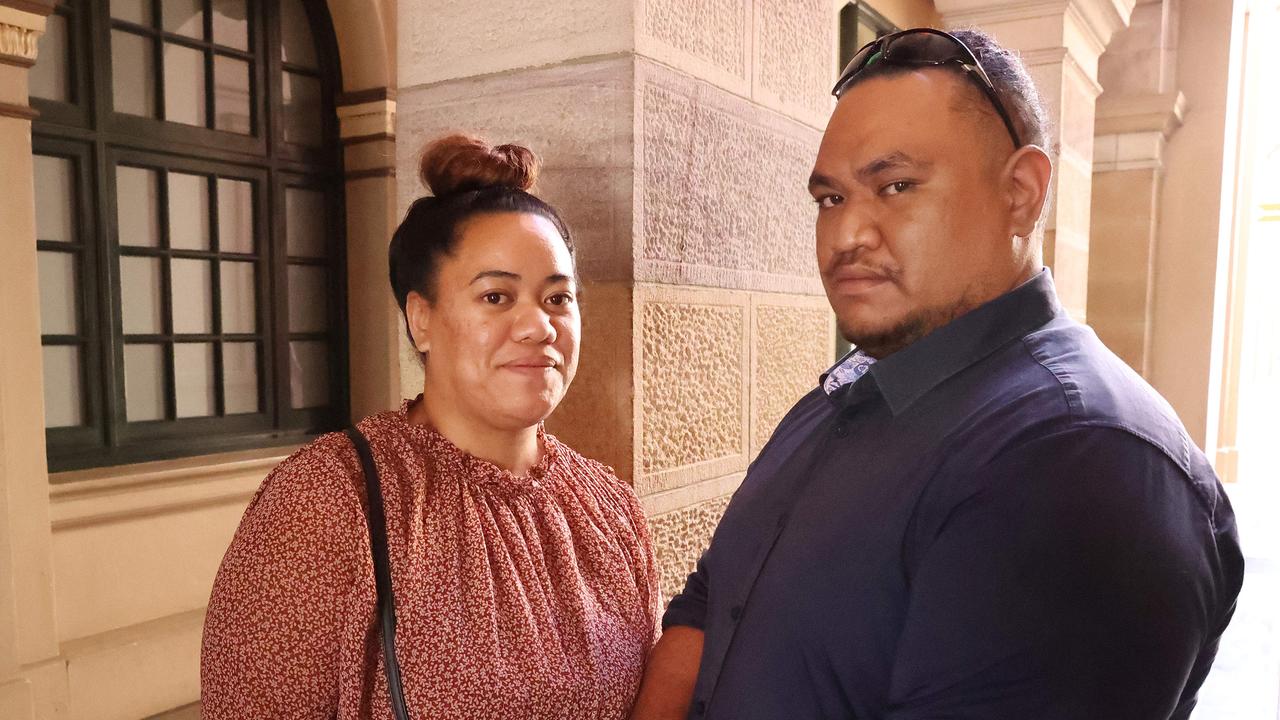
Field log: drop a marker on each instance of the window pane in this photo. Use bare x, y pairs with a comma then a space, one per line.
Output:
193, 379
238, 305
308, 299
49, 78
231, 23
144, 382
308, 374
304, 212
63, 406
58, 293
231, 95
140, 295
55, 199
183, 85
188, 211
138, 206
192, 296
303, 121
137, 11
235, 216
134, 76
240, 377
296, 45
184, 17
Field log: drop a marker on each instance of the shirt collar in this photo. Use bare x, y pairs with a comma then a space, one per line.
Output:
907, 375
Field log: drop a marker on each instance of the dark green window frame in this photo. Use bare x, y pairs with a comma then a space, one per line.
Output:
95, 140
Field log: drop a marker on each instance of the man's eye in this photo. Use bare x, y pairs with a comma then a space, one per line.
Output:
493, 298
560, 300
829, 201
898, 187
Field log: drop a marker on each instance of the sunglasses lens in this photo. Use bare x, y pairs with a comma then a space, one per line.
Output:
925, 48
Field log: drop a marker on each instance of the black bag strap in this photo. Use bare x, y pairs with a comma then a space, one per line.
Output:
381, 570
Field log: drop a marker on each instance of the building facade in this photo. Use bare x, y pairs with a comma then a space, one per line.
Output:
185, 182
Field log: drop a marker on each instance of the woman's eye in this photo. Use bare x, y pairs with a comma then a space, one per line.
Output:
898, 187
829, 201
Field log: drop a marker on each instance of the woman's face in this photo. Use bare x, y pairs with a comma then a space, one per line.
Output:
501, 339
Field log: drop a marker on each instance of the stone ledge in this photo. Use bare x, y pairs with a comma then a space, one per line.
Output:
1155, 112
90, 497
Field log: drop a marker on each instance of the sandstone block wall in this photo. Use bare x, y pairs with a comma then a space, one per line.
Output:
677, 142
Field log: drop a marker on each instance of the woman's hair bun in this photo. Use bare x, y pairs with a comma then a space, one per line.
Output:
459, 163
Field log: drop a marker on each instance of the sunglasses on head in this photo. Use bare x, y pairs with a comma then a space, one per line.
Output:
924, 47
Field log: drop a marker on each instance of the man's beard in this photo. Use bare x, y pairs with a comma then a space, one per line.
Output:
883, 343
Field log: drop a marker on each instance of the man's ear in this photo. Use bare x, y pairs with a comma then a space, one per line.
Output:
417, 313
1029, 171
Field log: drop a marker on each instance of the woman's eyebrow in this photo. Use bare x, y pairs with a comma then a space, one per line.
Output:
503, 274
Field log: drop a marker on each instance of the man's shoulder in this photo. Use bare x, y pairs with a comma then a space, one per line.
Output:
1093, 388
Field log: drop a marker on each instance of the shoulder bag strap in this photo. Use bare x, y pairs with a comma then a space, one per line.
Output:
381, 571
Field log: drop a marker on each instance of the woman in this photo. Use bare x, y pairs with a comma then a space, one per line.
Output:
523, 575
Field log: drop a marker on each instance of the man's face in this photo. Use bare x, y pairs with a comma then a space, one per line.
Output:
914, 223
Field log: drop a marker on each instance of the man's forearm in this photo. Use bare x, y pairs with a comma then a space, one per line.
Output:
669, 676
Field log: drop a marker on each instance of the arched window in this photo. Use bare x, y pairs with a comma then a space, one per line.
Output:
188, 218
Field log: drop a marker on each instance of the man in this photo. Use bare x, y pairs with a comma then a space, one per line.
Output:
982, 512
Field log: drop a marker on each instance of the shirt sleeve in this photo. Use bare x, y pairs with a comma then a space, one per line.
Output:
689, 608
1076, 576
272, 632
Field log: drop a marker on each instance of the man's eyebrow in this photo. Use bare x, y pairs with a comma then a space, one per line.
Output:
558, 278
893, 161
817, 179
503, 274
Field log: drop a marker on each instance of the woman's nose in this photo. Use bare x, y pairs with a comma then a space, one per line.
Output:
533, 325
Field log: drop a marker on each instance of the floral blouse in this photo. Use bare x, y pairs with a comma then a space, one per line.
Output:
516, 597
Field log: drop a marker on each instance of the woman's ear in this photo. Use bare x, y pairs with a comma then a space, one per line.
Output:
417, 313
1029, 171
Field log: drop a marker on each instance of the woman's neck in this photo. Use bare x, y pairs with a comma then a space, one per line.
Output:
515, 450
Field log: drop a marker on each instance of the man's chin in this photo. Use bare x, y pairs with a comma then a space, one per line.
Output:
881, 340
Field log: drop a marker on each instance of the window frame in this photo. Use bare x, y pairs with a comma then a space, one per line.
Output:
94, 137
854, 15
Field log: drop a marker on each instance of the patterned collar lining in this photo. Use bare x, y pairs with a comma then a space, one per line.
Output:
848, 371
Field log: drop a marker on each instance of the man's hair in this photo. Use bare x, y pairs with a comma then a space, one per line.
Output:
1011, 79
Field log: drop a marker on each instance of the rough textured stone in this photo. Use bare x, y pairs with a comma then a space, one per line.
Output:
679, 537
448, 40
578, 118
792, 343
692, 377
795, 57
706, 38
722, 196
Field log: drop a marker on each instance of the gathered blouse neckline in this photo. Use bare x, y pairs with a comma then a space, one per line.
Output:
444, 453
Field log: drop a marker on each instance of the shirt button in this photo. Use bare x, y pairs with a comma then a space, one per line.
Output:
699, 707
841, 430
736, 613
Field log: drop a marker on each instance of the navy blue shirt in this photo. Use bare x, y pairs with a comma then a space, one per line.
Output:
1001, 520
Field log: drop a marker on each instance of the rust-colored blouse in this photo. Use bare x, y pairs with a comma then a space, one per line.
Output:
516, 597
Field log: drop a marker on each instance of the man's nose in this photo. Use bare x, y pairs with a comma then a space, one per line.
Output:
856, 229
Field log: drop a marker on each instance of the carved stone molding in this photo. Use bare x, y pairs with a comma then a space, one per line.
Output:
1101, 18
1117, 114
18, 44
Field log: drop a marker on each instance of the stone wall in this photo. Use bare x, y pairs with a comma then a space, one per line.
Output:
677, 143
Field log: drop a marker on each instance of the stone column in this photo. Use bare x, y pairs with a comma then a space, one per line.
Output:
1127, 172
28, 638
678, 137
1060, 40
367, 128
1137, 112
